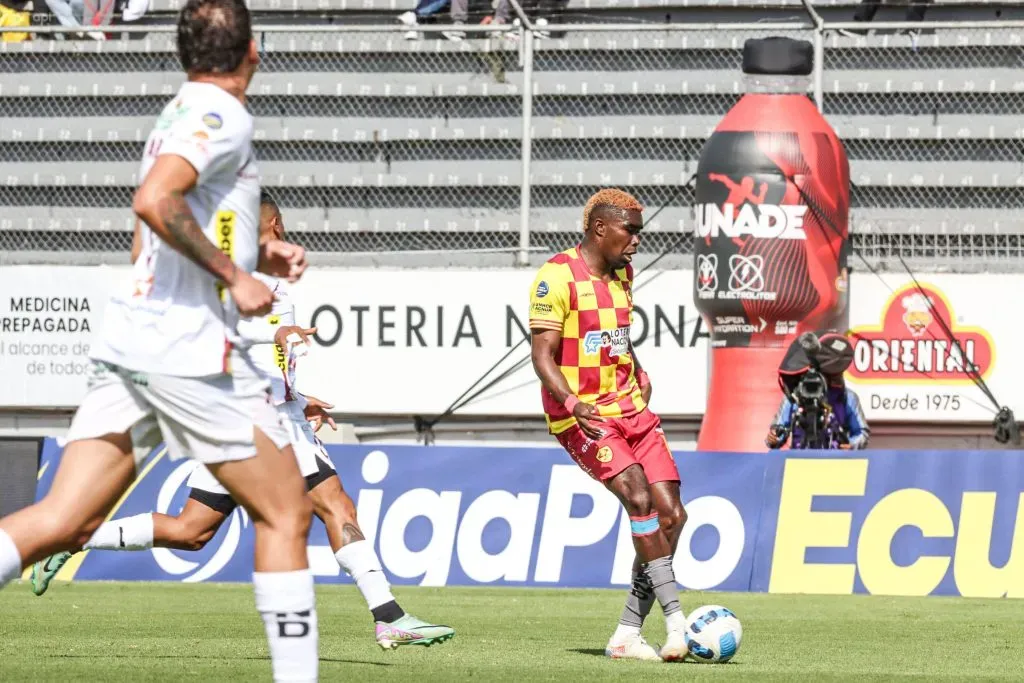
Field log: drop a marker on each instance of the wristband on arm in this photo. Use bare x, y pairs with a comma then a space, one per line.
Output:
570, 403
642, 379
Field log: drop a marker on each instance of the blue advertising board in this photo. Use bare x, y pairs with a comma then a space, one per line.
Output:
881, 522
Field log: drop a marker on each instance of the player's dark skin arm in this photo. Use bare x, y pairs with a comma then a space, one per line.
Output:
543, 346
645, 391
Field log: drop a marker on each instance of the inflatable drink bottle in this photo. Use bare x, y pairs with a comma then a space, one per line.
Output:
771, 220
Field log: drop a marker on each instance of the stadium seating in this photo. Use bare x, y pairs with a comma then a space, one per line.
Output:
376, 144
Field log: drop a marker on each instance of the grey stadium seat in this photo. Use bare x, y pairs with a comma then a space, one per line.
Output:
375, 143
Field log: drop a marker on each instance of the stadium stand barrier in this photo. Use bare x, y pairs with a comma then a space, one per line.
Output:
389, 151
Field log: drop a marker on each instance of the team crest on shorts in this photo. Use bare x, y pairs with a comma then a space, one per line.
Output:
604, 454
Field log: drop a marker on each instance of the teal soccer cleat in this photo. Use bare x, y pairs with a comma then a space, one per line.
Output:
44, 571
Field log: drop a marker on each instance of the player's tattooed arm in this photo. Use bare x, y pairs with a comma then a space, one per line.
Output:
177, 219
160, 202
350, 533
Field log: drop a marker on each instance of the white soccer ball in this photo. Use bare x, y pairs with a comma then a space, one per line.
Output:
713, 634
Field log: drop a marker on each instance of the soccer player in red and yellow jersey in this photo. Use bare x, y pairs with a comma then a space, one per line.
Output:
595, 395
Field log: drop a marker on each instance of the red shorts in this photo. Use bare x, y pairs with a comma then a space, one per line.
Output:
628, 441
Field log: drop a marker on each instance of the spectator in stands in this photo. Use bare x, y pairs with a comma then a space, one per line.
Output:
541, 12
458, 11
502, 14
96, 14
133, 10
71, 14
869, 8
15, 13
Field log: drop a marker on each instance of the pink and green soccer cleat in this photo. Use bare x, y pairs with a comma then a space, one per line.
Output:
411, 631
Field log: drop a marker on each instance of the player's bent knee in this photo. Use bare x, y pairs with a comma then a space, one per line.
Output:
295, 520
633, 491
636, 497
195, 539
672, 520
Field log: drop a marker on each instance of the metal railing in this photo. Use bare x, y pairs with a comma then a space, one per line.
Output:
893, 211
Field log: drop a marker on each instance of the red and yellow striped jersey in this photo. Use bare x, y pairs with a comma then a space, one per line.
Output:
595, 355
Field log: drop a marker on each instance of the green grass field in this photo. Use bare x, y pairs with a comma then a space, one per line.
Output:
172, 632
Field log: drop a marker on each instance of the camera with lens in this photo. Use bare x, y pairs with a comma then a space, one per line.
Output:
803, 376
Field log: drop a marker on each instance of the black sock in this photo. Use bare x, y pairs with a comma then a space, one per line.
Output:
388, 612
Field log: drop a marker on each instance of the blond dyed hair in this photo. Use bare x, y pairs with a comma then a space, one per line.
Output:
610, 197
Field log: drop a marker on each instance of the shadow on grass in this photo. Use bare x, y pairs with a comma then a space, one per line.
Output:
594, 652
212, 659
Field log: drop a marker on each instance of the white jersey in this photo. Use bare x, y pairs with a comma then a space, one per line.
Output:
172, 317
272, 361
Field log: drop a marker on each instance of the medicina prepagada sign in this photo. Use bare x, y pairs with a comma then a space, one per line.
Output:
883, 523
47, 318
411, 341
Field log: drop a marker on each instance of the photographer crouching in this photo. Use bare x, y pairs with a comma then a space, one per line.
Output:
818, 411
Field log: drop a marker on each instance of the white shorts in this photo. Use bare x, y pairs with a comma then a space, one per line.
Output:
309, 452
209, 419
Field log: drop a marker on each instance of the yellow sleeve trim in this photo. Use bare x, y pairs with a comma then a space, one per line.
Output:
545, 325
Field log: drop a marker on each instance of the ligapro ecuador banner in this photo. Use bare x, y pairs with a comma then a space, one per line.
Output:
886, 522
412, 341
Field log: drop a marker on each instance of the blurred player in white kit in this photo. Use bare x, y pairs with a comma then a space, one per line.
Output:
278, 344
168, 348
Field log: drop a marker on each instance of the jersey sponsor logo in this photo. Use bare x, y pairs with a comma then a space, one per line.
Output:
616, 341
213, 120
911, 345
169, 118
225, 242
542, 289
280, 358
540, 308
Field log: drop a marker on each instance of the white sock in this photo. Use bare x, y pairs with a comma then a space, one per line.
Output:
363, 565
624, 632
130, 533
676, 621
287, 604
10, 559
